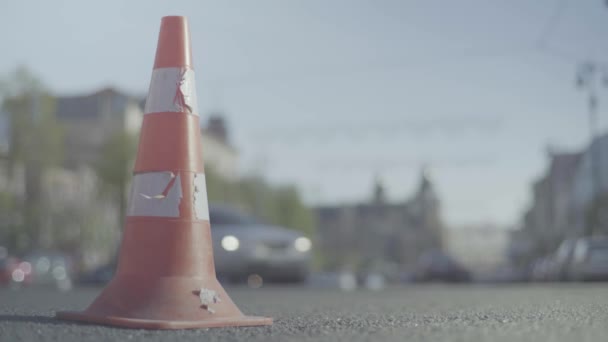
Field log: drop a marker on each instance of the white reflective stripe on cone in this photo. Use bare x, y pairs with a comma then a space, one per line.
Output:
172, 90
155, 194
201, 205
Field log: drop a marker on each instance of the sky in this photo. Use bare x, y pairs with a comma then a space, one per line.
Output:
331, 95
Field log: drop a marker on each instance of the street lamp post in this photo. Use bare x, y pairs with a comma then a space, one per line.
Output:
589, 78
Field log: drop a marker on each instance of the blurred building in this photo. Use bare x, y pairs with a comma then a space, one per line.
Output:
562, 199
218, 151
480, 247
71, 215
70, 211
585, 191
376, 234
91, 119
548, 219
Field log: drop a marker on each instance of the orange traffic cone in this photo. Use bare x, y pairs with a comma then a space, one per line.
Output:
166, 273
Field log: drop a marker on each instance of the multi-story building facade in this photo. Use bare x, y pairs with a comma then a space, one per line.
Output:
378, 234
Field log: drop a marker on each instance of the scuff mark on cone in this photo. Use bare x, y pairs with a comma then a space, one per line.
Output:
180, 98
155, 194
207, 298
172, 90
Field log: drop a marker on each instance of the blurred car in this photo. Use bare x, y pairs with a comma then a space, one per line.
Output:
507, 273
562, 259
14, 272
51, 269
98, 276
436, 265
543, 269
234, 235
244, 247
374, 281
590, 260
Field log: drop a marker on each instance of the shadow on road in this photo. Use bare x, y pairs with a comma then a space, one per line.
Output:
36, 319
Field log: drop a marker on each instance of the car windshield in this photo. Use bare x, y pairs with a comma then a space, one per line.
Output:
599, 243
224, 216
599, 255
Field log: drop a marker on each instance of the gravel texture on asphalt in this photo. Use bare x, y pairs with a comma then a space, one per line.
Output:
570, 312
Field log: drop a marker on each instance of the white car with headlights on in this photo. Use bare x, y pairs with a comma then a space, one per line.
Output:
247, 250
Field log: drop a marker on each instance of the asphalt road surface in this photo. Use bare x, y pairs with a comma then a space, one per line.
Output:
567, 312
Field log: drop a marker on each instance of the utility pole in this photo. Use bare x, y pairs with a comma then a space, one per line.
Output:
589, 78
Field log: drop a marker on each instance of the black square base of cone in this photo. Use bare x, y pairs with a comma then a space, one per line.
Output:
135, 323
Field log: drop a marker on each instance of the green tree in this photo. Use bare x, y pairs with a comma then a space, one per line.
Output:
286, 209
280, 205
36, 144
114, 169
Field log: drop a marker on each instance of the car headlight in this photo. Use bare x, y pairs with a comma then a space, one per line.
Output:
59, 273
18, 275
230, 243
302, 244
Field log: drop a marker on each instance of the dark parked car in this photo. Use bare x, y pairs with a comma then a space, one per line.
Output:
98, 276
438, 266
14, 272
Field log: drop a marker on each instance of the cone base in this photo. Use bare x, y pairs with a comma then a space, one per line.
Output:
144, 302
134, 323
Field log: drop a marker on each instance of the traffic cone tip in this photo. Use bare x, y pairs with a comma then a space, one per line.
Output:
173, 49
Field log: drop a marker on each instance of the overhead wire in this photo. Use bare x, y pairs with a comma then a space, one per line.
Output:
540, 44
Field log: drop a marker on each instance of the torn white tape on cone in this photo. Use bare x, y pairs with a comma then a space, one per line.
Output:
155, 194
172, 90
201, 206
